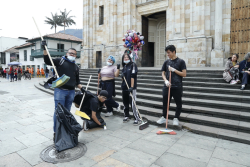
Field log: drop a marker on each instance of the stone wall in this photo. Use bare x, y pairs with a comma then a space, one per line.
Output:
200, 29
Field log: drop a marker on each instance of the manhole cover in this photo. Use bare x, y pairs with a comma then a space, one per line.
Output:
50, 154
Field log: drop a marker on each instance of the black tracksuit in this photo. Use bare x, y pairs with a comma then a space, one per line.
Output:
129, 71
176, 89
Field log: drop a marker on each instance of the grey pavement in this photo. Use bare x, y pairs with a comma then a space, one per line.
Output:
26, 129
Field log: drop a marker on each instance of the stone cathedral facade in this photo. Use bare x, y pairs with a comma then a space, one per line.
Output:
200, 30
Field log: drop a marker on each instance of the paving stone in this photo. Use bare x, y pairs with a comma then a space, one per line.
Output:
9, 125
86, 137
214, 162
201, 136
45, 164
197, 142
32, 154
191, 152
173, 160
48, 143
24, 114
153, 165
46, 125
164, 139
234, 146
9, 134
10, 146
134, 157
135, 129
32, 139
9, 117
28, 121
29, 128
149, 147
47, 132
111, 163
125, 135
94, 150
43, 118
83, 161
112, 142
232, 156
13, 160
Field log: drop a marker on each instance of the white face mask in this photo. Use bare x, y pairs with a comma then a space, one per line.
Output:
127, 61
109, 64
71, 58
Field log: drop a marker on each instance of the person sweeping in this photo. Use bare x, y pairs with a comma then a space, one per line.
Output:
178, 68
65, 66
92, 106
129, 71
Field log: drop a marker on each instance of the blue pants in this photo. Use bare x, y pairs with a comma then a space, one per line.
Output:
7, 76
245, 78
46, 75
65, 97
11, 77
110, 103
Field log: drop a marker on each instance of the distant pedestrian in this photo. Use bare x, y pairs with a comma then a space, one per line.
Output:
19, 73
46, 72
42, 72
38, 72
15, 73
7, 73
4, 73
11, 74
32, 72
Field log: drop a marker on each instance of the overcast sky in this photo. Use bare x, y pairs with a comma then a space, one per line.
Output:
16, 16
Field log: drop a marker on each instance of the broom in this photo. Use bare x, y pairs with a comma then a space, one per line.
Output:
60, 81
81, 113
166, 131
143, 125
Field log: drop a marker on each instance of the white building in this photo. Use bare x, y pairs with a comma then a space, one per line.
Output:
31, 53
7, 43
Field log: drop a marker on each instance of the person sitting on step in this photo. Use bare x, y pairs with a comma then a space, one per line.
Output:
232, 66
92, 106
245, 70
108, 74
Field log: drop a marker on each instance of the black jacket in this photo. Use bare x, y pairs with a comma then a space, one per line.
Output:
68, 68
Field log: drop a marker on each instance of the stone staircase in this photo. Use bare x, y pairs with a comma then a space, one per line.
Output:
210, 105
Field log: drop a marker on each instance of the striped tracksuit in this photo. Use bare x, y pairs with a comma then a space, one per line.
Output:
129, 71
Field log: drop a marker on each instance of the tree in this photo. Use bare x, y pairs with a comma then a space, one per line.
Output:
66, 19
54, 21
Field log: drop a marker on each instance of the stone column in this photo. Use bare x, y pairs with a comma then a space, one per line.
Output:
217, 55
218, 25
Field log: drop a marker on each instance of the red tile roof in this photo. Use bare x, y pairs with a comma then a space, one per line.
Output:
24, 45
60, 36
12, 50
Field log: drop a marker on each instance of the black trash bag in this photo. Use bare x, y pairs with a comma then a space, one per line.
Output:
67, 129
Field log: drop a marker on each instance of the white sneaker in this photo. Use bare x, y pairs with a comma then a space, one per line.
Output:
233, 82
118, 108
161, 120
108, 114
175, 121
85, 126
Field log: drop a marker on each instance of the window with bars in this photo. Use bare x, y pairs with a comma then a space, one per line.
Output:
31, 57
25, 55
3, 58
101, 15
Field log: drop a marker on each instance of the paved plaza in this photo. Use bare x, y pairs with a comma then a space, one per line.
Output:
26, 129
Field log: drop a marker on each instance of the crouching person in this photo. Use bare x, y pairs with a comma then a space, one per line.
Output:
92, 106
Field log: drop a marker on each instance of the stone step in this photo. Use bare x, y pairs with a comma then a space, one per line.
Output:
188, 118
152, 77
201, 75
160, 83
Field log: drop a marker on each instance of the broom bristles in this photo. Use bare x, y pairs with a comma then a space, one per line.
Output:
144, 125
60, 81
171, 132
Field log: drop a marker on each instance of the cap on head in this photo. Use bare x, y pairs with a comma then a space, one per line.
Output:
112, 58
104, 93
